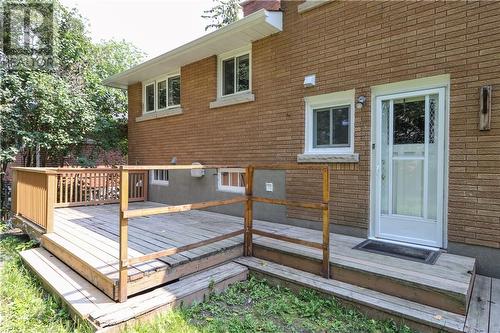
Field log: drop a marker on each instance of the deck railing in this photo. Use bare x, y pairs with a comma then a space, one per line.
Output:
37, 191
248, 199
95, 186
33, 195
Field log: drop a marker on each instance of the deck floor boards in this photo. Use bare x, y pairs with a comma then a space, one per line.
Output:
94, 229
88, 303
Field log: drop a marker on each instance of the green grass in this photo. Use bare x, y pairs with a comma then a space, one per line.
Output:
255, 306
24, 305
250, 306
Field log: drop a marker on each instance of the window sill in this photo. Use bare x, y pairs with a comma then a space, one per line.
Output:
159, 114
328, 158
310, 4
159, 183
231, 100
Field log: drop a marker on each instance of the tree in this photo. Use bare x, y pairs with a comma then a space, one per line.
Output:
223, 13
48, 109
111, 105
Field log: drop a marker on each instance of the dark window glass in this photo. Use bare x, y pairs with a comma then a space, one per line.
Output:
340, 131
160, 175
332, 127
162, 94
243, 73
228, 76
174, 90
150, 97
409, 121
322, 127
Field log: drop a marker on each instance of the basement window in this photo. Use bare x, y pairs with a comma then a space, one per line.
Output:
231, 180
159, 177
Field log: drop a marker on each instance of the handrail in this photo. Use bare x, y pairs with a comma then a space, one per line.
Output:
175, 250
37, 191
284, 202
181, 208
248, 230
323, 206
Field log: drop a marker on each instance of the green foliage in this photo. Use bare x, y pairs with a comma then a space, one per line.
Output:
223, 13
255, 306
49, 108
55, 107
24, 305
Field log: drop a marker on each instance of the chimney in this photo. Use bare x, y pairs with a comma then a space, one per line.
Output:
251, 6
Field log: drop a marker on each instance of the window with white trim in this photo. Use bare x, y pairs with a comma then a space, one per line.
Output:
330, 123
159, 177
331, 127
231, 180
234, 73
162, 93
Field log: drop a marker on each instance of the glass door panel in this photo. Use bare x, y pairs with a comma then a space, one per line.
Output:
410, 150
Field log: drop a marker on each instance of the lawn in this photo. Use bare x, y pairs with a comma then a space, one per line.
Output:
250, 306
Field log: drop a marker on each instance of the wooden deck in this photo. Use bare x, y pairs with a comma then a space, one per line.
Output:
86, 238
82, 268
88, 303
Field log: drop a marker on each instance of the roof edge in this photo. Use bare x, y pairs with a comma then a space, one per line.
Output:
112, 80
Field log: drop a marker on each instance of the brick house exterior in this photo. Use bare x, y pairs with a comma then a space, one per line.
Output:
349, 45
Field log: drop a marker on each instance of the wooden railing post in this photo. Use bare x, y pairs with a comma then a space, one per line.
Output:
145, 184
325, 271
247, 251
123, 265
51, 200
14, 202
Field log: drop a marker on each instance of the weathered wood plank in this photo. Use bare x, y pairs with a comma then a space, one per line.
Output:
495, 306
62, 284
88, 303
479, 309
389, 304
143, 303
175, 250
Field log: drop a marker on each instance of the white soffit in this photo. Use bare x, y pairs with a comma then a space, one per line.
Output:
241, 33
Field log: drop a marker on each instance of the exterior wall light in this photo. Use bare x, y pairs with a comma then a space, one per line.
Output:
310, 81
360, 102
485, 108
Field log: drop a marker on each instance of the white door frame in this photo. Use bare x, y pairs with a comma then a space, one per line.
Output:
422, 86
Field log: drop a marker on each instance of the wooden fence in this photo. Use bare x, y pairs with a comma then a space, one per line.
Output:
248, 199
84, 187
37, 191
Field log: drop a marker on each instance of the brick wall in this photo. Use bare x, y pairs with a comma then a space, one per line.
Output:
348, 45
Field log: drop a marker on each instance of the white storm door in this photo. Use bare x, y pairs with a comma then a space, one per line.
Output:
410, 167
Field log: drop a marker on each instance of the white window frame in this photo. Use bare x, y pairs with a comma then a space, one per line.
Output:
155, 82
144, 96
233, 54
154, 181
336, 99
230, 188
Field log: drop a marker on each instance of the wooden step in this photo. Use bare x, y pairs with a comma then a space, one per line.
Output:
88, 303
102, 270
418, 316
446, 285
